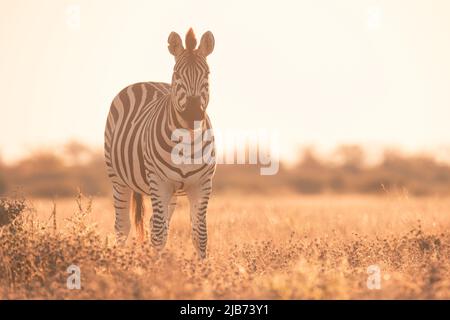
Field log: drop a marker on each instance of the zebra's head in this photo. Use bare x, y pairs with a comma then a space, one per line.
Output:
190, 80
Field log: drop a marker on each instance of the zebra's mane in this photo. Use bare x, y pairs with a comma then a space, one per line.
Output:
191, 41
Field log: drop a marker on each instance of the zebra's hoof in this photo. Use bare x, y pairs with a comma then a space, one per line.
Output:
158, 247
201, 254
121, 240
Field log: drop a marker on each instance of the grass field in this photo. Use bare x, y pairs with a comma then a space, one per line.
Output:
277, 247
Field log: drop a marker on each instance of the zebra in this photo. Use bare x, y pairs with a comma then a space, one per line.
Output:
138, 146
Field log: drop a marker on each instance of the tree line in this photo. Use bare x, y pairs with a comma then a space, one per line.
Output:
47, 173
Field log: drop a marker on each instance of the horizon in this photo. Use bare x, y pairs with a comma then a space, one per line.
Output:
372, 154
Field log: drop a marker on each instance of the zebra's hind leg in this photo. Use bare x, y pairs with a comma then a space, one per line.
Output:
199, 198
122, 202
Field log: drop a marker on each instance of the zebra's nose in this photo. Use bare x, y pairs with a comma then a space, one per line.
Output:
193, 111
193, 101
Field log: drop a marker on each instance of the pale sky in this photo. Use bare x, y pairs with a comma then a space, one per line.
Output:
317, 72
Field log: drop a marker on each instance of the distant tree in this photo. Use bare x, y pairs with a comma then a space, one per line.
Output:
2, 177
77, 152
42, 173
352, 157
309, 160
45, 173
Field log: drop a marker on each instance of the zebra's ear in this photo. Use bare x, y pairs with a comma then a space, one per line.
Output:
206, 44
175, 44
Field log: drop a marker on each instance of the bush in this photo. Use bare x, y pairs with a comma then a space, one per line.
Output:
10, 209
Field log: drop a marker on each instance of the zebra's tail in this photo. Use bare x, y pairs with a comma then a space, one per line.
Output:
138, 209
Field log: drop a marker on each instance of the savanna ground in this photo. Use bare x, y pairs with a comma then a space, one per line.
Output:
275, 247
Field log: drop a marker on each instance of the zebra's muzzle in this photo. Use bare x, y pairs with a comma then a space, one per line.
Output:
193, 111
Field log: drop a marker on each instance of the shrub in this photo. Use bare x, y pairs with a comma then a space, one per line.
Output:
10, 209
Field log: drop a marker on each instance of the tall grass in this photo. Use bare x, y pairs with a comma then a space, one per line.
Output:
285, 248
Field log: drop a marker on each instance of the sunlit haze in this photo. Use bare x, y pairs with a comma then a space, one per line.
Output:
317, 72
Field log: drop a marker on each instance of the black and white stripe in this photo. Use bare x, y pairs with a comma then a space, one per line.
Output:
138, 145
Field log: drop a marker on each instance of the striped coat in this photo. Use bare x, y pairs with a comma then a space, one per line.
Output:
139, 146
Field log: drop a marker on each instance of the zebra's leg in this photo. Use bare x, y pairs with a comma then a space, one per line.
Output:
160, 195
122, 200
199, 198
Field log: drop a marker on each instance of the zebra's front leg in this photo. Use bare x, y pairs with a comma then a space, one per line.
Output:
122, 198
199, 198
159, 222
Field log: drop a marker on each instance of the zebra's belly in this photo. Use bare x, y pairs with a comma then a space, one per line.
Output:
190, 175
131, 166
181, 176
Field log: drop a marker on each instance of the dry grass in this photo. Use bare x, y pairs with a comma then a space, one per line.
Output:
286, 247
